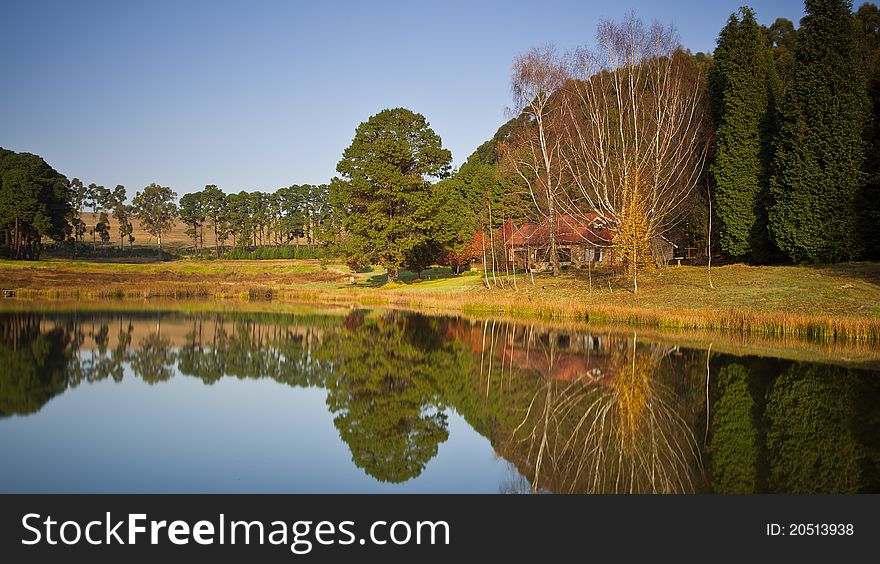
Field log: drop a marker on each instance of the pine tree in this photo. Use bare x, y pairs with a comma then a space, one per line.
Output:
385, 190
820, 147
744, 88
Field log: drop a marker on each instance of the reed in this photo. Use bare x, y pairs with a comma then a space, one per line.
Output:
781, 325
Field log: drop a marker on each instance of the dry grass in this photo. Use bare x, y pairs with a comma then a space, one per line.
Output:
837, 303
176, 237
857, 355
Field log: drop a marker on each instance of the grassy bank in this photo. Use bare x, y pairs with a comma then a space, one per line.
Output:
836, 303
855, 355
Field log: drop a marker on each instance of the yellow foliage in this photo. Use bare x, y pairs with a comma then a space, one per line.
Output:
632, 387
634, 232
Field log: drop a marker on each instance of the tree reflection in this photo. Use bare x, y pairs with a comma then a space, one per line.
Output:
383, 394
735, 447
620, 433
32, 364
154, 358
818, 440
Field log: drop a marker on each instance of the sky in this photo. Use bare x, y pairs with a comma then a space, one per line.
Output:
257, 95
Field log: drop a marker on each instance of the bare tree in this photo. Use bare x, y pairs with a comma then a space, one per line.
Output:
709, 243
635, 138
534, 153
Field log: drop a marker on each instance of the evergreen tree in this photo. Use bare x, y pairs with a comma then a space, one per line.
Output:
385, 194
34, 204
156, 210
744, 88
820, 147
867, 27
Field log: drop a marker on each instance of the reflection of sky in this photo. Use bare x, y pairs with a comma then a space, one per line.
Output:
232, 436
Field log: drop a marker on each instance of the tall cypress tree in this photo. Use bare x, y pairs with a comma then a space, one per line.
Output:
820, 147
867, 24
745, 88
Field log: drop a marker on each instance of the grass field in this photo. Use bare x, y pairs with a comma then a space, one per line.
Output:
827, 304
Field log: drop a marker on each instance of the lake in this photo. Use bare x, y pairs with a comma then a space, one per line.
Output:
355, 400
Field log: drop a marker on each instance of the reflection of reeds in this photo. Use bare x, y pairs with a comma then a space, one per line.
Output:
774, 325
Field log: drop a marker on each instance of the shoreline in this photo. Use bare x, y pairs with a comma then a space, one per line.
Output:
796, 317
853, 355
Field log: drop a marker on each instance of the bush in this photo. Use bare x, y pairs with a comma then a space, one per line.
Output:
84, 251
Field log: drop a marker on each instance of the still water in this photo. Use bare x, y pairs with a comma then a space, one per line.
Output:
389, 401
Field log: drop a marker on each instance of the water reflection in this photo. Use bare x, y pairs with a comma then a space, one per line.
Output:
569, 410
613, 424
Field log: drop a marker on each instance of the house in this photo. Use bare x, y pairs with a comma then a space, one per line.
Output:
580, 239
663, 250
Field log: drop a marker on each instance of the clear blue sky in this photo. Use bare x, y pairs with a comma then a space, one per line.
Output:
257, 95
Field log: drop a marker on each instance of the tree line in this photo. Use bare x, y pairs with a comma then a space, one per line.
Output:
769, 146
794, 167
37, 203
300, 212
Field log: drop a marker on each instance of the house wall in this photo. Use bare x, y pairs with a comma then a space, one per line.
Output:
662, 250
580, 256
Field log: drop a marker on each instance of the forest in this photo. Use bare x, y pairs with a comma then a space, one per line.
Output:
765, 151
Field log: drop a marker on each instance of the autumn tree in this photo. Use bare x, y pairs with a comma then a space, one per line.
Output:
384, 192
156, 210
636, 140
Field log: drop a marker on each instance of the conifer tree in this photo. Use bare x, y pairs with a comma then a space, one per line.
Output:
820, 147
385, 189
744, 88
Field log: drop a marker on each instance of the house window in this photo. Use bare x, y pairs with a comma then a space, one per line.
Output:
597, 255
564, 255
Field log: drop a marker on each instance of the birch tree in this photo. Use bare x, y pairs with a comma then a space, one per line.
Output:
534, 151
635, 137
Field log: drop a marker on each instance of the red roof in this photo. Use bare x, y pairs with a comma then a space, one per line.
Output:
570, 229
